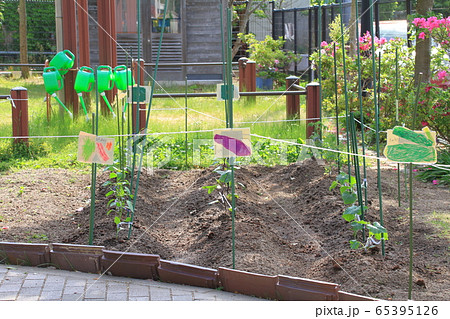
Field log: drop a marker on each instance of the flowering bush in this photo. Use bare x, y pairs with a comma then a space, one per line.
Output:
435, 103
385, 74
392, 55
271, 61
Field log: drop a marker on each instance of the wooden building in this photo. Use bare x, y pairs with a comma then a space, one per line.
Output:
192, 33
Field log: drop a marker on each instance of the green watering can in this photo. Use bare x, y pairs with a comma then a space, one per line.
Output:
123, 78
105, 82
84, 82
63, 61
53, 83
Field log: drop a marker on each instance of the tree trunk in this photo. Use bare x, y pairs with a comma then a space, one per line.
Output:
22, 9
423, 46
352, 29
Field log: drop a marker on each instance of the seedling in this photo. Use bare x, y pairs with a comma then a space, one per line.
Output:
120, 203
222, 185
353, 214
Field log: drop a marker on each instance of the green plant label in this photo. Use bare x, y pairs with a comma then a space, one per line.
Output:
407, 146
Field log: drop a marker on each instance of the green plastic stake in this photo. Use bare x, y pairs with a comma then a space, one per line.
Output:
103, 95
80, 95
62, 104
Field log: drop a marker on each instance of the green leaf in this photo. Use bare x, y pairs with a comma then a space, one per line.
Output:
376, 228
210, 188
117, 220
112, 175
344, 188
352, 180
130, 206
109, 193
333, 185
349, 198
225, 177
342, 178
128, 219
354, 244
357, 226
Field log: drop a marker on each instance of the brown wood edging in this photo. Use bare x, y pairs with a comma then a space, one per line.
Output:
95, 259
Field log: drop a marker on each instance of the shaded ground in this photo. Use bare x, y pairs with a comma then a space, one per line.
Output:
287, 222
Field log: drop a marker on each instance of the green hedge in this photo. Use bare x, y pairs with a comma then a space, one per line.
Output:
41, 28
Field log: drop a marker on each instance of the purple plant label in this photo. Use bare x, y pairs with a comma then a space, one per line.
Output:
227, 142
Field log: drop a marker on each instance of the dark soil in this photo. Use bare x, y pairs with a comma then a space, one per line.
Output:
287, 222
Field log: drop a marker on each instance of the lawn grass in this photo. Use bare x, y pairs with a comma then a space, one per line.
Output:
55, 149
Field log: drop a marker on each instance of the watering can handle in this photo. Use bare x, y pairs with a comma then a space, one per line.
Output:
69, 53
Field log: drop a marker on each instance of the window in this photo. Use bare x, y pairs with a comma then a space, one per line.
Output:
173, 15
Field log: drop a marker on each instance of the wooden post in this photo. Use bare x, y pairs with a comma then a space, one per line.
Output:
107, 41
292, 101
242, 74
139, 67
70, 43
83, 33
19, 105
312, 106
250, 75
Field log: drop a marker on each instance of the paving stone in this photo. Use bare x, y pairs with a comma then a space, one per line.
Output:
36, 276
27, 297
8, 296
73, 290
53, 285
95, 293
51, 295
55, 279
10, 287
33, 283
117, 288
94, 299
204, 296
138, 291
30, 291
75, 282
117, 296
160, 294
72, 297
182, 297
139, 299
13, 278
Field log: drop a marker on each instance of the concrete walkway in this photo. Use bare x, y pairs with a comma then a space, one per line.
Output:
32, 284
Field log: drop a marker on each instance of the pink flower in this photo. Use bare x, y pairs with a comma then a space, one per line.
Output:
424, 123
442, 74
276, 61
415, 170
435, 181
5, 227
324, 44
422, 35
428, 88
